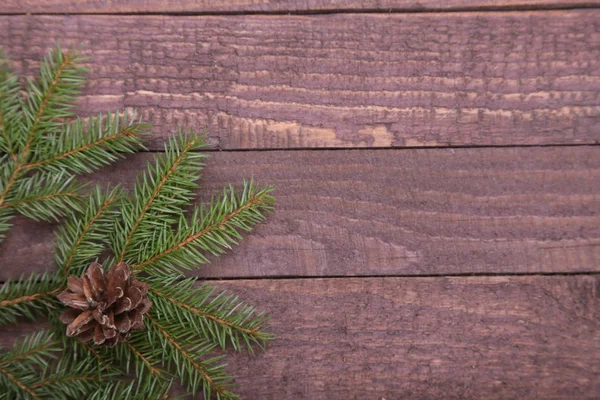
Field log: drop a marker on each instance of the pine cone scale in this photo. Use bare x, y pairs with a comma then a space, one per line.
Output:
99, 337
109, 333
103, 307
75, 284
123, 304
74, 300
134, 294
95, 275
69, 315
86, 336
74, 328
123, 323
144, 306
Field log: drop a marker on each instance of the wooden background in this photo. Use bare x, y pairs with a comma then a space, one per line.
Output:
437, 173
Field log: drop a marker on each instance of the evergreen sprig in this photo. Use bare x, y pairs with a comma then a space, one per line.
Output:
159, 195
221, 317
34, 369
211, 230
28, 297
84, 238
42, 148
155, 229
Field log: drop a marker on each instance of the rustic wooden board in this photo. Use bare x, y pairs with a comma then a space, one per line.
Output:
393, 212
423, 338
230, 6
349, 80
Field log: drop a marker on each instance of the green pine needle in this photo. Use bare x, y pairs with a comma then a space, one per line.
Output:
212, 229
10, 105
221, 317
29, 297
33, 369
85, 146
42, 149
160, 194
186, 354
82, 239
51, 97
45, 196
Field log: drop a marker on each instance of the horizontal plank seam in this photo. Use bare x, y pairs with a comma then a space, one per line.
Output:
372, 276
403, 148
385, 11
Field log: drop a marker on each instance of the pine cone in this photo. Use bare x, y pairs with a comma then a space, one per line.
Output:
104, 307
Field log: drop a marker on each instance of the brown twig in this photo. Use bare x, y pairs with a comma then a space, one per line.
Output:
20, 384
204, 314
180, 348
126, 132
138, 220
154, 370
191, 238
86, 229
45, 197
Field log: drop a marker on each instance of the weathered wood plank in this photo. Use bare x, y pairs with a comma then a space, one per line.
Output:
339, 80
422, 338
393, 212
211, 6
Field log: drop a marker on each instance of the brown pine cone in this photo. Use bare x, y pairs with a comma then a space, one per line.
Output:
104, 307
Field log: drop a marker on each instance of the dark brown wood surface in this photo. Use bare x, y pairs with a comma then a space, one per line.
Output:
340, 263
348, 80
234, 6
392, 212
423, 338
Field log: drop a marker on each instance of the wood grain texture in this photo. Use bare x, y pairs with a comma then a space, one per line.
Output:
350, 80
393, 212
227, 6
423, 338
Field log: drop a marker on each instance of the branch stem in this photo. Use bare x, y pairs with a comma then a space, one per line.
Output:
180, 348
45, 197
251, 332
207, 229
153, 197
85, 231
153, 369
20, 384
126, 132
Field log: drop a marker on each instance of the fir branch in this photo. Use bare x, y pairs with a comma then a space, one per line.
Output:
10, 103
183, 349
19, 367
11, 172
85, 146
140, 358
33, 348
51, 97
20, 385
161, 193
64, 379
153, 370
34, 364
140, 389
27, 298
82, 239
5, 217
44, 196
213, 229
222, 318
39, 152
